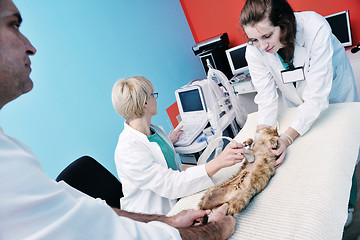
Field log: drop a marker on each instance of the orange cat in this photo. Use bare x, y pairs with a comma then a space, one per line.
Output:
250, 180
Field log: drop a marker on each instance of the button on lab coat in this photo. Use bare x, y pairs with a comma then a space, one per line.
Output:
149, 186
328, 75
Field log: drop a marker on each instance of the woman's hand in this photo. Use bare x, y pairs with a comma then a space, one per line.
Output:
284, 141
280, 152
175, 134
231, 155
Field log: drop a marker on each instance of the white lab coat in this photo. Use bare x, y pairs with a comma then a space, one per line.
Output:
328, 75
33, 206
149, 186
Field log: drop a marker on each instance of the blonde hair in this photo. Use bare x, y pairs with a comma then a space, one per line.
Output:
129, 96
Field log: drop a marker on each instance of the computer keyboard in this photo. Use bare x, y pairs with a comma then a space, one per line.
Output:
190, 131
240, 78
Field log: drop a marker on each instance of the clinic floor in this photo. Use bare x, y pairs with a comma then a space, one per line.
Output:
353, 231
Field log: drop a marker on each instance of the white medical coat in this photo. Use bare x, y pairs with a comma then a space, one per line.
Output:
328, 75
33, 206
149, 186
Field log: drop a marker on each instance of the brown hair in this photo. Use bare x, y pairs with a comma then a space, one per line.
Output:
280, 13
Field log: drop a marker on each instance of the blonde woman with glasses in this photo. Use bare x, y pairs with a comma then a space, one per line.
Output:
145, 157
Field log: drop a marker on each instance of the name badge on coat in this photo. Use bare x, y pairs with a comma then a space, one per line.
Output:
293, 75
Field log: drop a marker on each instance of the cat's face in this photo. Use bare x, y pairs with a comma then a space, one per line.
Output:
268, 136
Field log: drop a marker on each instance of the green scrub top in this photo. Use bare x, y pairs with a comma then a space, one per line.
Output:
165, 148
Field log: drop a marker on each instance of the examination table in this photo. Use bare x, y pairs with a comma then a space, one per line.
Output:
308, 196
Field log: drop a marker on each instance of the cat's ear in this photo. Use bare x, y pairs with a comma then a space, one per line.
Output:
276, 126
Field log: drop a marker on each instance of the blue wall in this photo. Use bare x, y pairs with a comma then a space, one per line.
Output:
83, 48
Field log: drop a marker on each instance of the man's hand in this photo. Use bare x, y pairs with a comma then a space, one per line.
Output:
225, 222
220, 226
187, 218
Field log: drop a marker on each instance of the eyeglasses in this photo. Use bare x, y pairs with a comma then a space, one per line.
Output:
155, 95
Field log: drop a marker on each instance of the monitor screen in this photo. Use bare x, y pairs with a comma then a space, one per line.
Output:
340, 26
190, 100
236, 58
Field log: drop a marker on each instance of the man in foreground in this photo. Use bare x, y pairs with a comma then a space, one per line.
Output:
33, 206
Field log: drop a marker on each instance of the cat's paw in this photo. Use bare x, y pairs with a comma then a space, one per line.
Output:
274, 143
248, 142
231, 211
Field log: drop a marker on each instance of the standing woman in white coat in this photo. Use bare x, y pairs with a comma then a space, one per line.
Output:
295, 61
145, 158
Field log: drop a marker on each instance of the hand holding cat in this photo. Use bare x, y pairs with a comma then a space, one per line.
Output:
280, 152
226, 222
187, 218
284, 141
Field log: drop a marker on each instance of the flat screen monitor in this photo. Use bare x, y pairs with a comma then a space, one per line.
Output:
190, 102
340, 26
236, 58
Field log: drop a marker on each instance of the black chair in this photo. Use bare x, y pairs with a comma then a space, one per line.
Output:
90, 177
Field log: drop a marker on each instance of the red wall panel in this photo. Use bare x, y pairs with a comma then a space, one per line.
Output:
208, 18
173, 112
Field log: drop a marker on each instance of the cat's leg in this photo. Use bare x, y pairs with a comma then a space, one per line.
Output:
224, 193
213, 198
239, 202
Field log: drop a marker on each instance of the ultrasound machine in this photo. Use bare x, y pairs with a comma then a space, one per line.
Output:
193, 113
210, 106
197, 102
